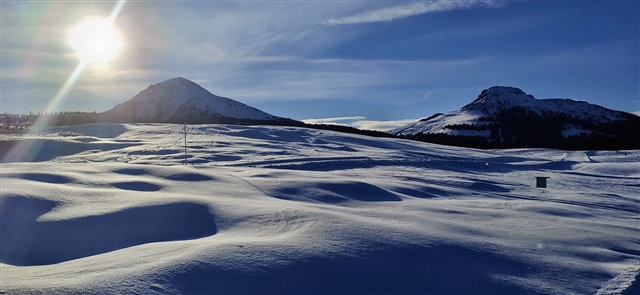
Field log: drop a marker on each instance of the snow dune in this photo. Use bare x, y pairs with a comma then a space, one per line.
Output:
62, 240
576, 156
111, 208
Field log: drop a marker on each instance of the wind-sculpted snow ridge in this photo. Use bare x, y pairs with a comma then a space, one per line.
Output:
577, 156
284, 210
627, 283
29, 242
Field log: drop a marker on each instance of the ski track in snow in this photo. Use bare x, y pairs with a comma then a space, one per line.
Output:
112, 208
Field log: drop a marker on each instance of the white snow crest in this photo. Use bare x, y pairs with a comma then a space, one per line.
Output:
619, 284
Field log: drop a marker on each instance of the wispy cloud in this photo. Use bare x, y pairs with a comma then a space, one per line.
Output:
310, 79
411, 101
382, 125
361, 122
406, 10
335, 120
637, 113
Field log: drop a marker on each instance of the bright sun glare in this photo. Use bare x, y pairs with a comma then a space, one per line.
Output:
95, 40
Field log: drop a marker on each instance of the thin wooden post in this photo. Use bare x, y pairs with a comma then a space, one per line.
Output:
184, 128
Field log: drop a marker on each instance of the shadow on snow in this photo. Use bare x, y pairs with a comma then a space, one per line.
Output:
28, 241
417, 270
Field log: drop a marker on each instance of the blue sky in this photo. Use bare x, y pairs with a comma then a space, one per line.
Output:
374, 65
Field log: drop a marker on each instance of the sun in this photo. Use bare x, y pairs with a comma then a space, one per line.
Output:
95, 40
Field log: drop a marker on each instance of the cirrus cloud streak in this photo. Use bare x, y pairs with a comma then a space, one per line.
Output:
406, 10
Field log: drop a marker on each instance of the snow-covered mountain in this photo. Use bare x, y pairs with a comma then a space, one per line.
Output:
509, 117
178, 100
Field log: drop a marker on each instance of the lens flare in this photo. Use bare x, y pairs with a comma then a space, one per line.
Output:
95, 40
25, 150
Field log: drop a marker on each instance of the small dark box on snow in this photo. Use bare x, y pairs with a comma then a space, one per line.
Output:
541, 181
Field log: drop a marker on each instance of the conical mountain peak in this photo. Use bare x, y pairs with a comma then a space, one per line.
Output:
179, 99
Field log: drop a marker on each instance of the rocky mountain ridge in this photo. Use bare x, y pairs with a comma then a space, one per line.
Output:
505, 117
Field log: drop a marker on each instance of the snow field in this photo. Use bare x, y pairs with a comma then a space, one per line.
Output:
286, 210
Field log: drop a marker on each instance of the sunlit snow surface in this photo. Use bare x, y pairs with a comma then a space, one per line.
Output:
111, 209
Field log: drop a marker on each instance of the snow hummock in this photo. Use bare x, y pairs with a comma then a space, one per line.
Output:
113, 209
161, 101
576, 156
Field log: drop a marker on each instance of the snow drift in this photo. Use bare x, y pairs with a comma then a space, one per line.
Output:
284, 210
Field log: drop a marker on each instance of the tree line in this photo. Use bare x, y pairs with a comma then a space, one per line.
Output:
518, 128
